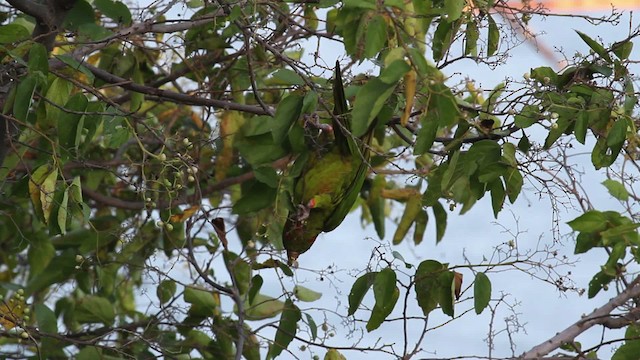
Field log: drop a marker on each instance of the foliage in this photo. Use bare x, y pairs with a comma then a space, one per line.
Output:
136, 139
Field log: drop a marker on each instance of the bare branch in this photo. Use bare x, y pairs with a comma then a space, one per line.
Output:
600, 316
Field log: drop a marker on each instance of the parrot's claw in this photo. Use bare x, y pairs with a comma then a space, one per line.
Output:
314, 121
303, 212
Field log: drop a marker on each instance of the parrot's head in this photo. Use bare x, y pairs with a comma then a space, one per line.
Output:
297, 238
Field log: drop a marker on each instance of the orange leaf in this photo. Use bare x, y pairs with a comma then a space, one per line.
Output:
457, 278
187, 213
11, 313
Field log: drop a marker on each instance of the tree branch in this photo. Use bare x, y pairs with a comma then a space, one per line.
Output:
600, 316
139, 205
171, 95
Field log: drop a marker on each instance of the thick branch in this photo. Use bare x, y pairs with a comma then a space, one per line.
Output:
32, 8
600, 316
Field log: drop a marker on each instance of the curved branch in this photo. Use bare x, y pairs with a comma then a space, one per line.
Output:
600, 316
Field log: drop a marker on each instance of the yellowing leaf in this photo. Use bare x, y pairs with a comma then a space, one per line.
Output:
187, 213
11, 312
42, 185
305, 294
47, 190
262, 307
410, 80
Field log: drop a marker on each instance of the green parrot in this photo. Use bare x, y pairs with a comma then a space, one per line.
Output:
330, 181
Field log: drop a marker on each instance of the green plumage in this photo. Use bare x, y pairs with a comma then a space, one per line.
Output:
330, 181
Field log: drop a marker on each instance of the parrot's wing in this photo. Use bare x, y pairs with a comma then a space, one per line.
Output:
359, 153
341, 124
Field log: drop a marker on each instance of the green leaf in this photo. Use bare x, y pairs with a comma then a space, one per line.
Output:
603, 155
446, 289
527, 117
313, 328
47, 321
411, 211
448, 177
310, 102
394, 72
440, 215
41, 252
597, 283
513, 181
287, 113
524, 144
13, 33
90, 353
76, 65
442, 39
202, 301
595, 46
166, 290
287, 77
267, 175
376, 36
259, 149
616, 189
591, 221
94, 309
62, 212
426, 134
57, 95
257, 196
481, 292
622, 49
472, 34
69, 123
581, 126
497, 196
81, 13
376, 204
285, 269
427, 281
421, 221
24, 97
361, 4
286, 329
38, 59
453, 9
59, 270
359, 290
263, 307
306, 294
494, 37
256, 284
631, 347
115, 10
585, 241
386, 293
369, 101
618, 133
